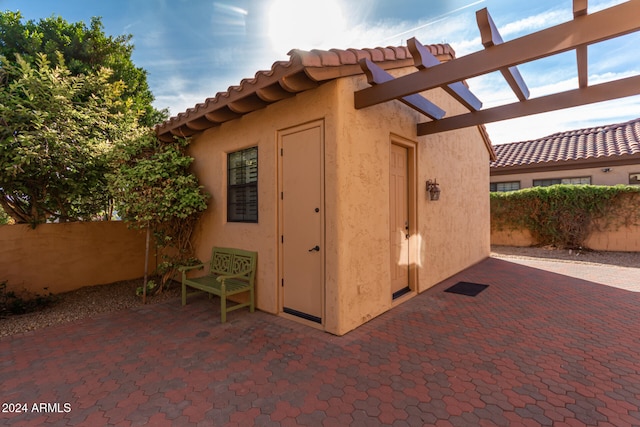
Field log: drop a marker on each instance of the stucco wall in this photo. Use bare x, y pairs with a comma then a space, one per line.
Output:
64, 257
616, 175
255, 129
625, 239
456, 228
449, 235
359, 225
512, 238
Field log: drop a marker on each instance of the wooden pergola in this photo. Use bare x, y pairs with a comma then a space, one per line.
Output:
585, 29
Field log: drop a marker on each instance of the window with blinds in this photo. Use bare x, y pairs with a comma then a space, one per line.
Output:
585, 180
242, 186
504, 186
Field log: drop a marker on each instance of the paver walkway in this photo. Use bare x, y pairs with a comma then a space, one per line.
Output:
610, 275
534, 348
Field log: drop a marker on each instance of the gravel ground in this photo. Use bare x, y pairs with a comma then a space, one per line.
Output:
622, 259
84, 302
93, 300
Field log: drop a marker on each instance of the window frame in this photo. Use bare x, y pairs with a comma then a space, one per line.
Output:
242, 186
496, 184
558, 181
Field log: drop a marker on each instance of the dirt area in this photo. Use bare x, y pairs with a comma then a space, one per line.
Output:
94, 300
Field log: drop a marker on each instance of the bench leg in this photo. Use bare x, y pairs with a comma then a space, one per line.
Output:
252, 307
184, 294
223, 308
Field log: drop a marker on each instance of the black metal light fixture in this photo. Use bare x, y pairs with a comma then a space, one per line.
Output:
433, 189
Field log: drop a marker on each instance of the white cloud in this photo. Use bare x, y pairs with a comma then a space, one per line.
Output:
535, 23
595, 6
178, 101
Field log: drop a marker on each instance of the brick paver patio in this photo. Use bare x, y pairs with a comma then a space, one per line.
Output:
534, 348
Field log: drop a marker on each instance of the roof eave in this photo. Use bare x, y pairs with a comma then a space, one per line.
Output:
487, 142
304, 71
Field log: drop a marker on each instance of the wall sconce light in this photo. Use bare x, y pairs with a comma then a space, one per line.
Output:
605, 170
433, 190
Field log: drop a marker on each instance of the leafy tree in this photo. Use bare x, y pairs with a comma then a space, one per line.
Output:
56, 130
85, 50
155, 191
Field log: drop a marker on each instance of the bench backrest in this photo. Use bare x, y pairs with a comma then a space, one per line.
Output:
228, 261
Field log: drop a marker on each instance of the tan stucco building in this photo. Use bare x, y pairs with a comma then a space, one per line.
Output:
332, 198
599, 155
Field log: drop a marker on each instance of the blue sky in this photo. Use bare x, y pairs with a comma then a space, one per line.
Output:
193, 49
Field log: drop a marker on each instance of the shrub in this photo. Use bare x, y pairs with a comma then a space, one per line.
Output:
565, 215
12, 303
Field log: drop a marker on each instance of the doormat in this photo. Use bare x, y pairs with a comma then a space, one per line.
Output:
466, 288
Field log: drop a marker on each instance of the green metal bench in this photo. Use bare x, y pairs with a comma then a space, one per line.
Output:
231, 271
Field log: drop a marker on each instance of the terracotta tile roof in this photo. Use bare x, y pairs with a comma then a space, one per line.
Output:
304, 70
616, 142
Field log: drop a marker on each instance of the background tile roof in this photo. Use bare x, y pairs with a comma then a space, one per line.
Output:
610, 141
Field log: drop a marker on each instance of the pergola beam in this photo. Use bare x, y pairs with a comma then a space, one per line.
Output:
423, 58
491, 37
602, 92
376, 75
606, 24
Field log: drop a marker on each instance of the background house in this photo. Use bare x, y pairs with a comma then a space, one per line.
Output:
334, 198
602, 155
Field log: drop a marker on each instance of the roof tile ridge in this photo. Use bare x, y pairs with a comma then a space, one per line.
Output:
351, 56
634, 130
245, 83
441, 49
510, 144
361, 54
346, 56
377, 54
305, 57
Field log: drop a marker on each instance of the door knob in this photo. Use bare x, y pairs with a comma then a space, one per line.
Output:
316, 248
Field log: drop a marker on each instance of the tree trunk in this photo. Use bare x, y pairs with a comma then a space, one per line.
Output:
146, 266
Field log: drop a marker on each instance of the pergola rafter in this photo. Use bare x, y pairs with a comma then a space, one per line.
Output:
423, 58
573, 98
580, 9
585, 29
491, 37
376, 75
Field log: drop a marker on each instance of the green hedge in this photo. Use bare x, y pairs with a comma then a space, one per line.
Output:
565, 215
